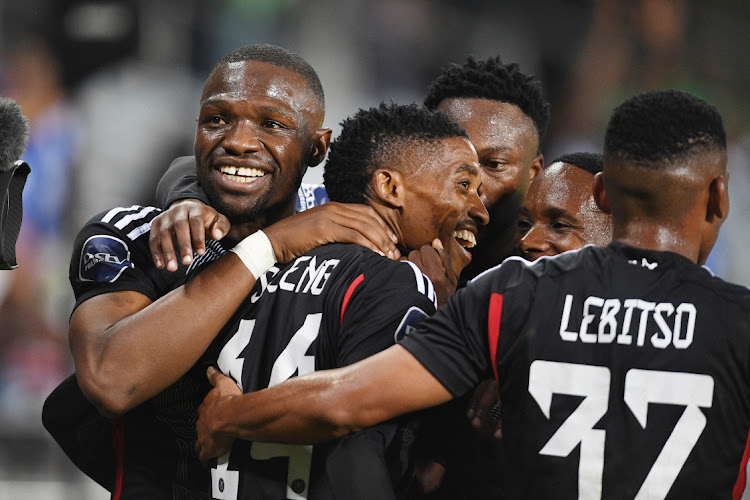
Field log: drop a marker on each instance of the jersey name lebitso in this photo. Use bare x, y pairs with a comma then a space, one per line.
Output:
629, 321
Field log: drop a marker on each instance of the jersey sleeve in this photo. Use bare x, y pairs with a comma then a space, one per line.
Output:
385, 296
311, 195
111, 254
180, 182
454, 344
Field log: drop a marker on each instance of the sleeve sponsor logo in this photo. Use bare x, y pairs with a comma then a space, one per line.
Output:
410, 322
103, 259
311, 195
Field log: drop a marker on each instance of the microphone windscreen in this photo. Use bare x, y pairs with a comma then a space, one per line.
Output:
14, 133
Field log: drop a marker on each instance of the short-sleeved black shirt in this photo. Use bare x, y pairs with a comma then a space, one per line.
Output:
333, 306
157, 438
623, 372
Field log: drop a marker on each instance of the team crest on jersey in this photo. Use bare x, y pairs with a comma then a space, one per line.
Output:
411, 320
103, 258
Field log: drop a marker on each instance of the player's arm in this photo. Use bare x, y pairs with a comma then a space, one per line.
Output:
319, 406
126, 348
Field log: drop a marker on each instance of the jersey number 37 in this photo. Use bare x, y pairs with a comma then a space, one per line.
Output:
641, 388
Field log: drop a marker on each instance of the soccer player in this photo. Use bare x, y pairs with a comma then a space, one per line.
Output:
559, 212
339, 304
633, 379
506, 115
132, 339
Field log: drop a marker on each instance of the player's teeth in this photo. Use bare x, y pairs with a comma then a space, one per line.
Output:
467, 237
241, 174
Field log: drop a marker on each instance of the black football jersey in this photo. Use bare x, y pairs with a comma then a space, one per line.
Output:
623, 372
333, 306
153, 443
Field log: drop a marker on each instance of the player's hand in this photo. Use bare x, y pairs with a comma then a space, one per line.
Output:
329, 223
210, 443
186, 222
429, 474
484, 408
437, 264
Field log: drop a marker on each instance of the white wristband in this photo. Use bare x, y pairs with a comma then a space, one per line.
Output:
256, 253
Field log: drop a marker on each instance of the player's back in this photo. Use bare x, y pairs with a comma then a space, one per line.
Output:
624, 374
333, 306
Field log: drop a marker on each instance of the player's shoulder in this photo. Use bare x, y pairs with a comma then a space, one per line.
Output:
381, 273
517, 268
726, 291
112, 241
132, 221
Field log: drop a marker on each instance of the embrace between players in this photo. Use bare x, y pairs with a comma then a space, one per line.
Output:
622, 371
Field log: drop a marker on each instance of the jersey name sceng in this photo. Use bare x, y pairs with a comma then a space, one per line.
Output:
303, 276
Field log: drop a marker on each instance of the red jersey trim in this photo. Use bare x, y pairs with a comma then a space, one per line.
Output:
739, 486
357, 281
493, 327
118, 442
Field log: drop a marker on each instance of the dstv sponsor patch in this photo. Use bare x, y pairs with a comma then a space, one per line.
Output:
103, 258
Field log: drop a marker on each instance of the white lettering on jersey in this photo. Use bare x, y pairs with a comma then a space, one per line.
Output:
644, 263
303, 276
600, 322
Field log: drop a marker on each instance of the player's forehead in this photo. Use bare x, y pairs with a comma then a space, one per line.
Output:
493, 125
561, 186
444, 158
262, 84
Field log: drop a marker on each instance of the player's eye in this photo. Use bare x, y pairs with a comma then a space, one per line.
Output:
495, 164
563, 226
273, 124
215, 120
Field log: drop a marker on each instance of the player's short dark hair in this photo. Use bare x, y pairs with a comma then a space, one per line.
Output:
663, 126
373, 139
590, 162
277, 56
491, 79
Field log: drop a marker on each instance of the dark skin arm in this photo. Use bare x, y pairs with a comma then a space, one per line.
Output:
188, 223
317, 407
126, 348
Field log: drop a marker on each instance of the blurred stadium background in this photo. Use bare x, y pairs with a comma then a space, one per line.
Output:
111, 90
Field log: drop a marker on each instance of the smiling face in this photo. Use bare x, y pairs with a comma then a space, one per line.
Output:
441, 198
560, 214
507, 144
256, 135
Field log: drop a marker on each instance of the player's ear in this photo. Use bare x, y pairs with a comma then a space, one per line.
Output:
536, 166
718, 199
321, 141
387, 187
600, 195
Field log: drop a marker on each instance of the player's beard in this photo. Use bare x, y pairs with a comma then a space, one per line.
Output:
240, 213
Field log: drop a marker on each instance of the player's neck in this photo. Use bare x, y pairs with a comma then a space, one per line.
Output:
272, 214
660, 237
392, 219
